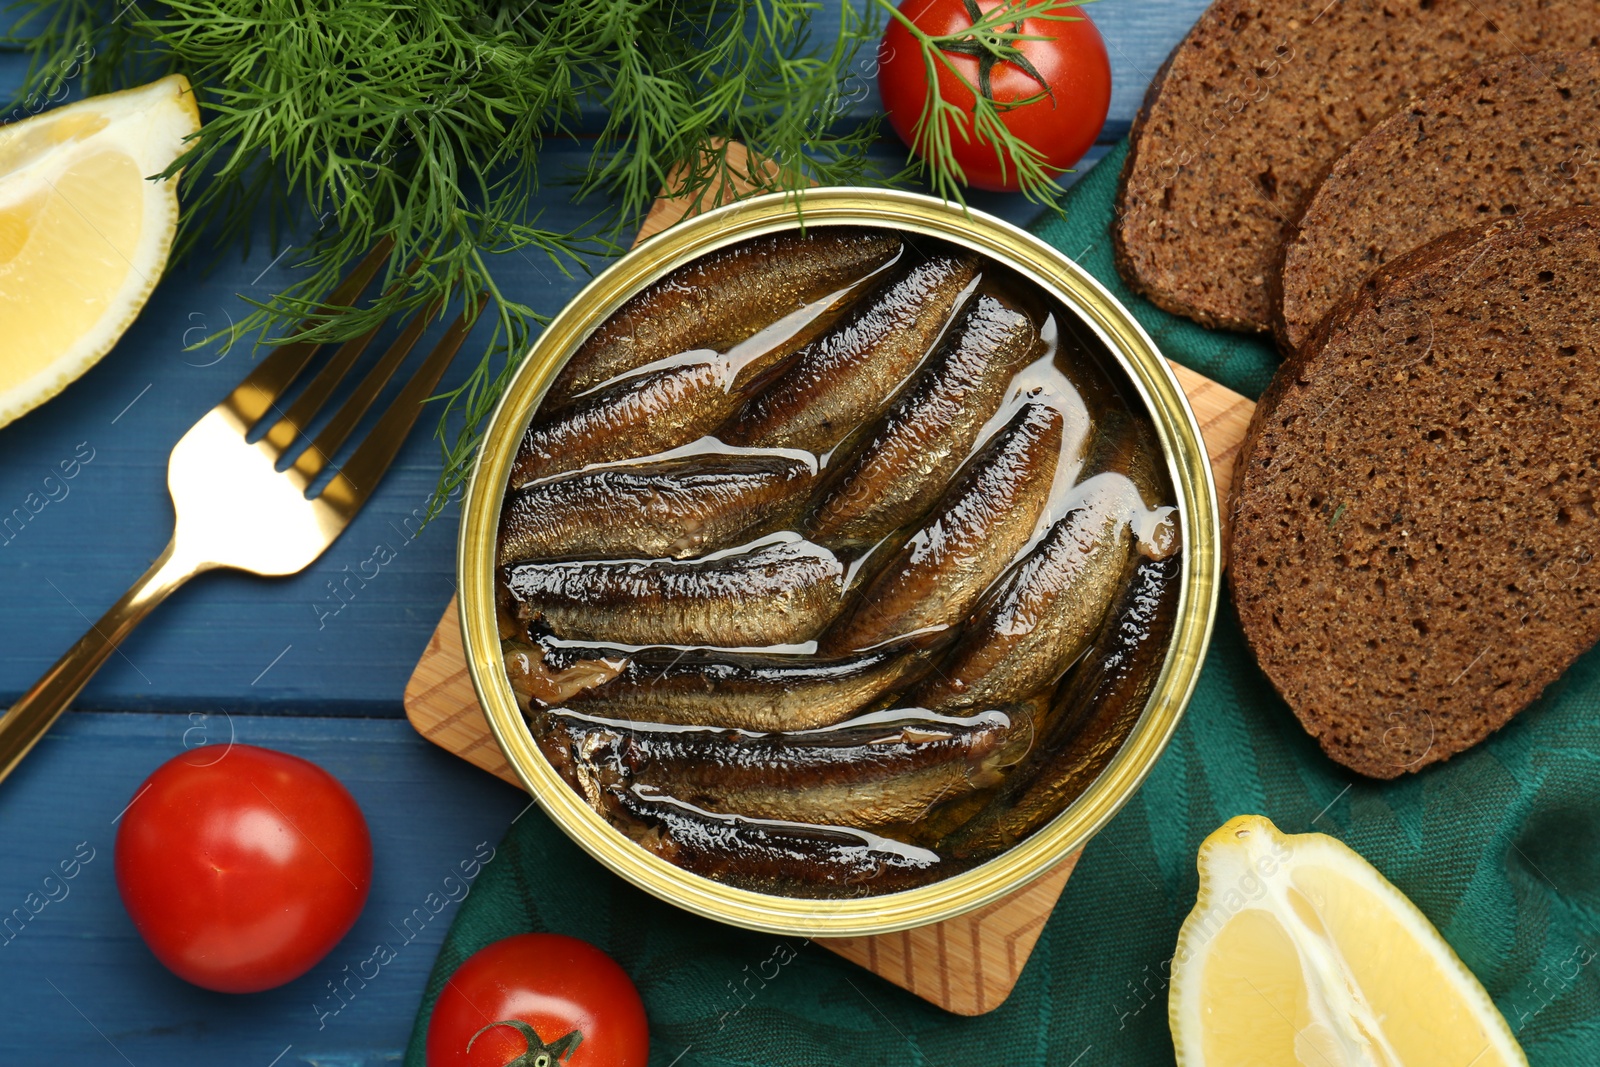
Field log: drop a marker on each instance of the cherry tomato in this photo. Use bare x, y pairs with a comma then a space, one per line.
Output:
241, 866
1062, 125
538, 1000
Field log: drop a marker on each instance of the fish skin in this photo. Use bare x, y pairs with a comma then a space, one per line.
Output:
969, 539
1034, 625
781, 593
770, 855
1092, 714
848, 375
1031, 629
651, 412
894, 470
680, 507
847, 775
752, 691
722, 298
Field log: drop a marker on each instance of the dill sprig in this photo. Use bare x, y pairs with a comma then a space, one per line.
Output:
993, 37
421, 122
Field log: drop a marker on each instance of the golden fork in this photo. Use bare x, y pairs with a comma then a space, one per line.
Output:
235, 509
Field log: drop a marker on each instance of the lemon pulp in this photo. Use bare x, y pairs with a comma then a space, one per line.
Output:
1299, 952
84, 235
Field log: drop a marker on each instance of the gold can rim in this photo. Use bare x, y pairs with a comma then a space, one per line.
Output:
1188, 466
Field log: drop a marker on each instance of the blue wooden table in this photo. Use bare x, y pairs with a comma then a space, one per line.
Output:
285, 663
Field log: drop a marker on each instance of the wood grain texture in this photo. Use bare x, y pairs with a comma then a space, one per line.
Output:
1223, 416
441, 703
967, 965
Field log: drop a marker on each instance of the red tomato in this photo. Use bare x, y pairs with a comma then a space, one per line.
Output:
539, 999
242, 870
1062, 125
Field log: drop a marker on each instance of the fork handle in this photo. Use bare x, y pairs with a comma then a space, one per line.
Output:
41, 706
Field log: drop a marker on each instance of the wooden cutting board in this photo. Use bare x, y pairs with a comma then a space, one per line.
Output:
967, 965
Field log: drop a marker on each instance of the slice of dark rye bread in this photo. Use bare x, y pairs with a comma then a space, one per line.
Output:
1258, 100
1415, 523
1509, 137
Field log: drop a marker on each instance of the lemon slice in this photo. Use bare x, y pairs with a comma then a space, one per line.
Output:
83, 235
1299, 952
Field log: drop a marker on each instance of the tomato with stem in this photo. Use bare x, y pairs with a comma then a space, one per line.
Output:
995, 94
538, 1000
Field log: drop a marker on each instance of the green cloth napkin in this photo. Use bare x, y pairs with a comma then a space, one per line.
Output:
1500, 847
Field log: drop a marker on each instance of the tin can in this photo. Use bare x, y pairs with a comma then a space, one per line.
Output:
1125, 344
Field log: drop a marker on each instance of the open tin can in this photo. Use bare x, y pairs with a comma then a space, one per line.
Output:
1125, 350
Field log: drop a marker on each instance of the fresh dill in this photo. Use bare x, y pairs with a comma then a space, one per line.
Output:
420, 122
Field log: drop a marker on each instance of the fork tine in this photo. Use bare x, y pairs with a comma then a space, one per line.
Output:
305, 407
357, 478
309, 463
311, 399
252, 397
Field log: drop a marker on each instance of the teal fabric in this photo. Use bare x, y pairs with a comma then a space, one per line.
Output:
1500, 847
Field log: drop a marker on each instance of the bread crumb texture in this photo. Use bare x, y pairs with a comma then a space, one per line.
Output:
1511, 137
1259, 99
1416, 532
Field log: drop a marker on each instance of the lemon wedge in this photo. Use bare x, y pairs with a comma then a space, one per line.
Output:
83, 235
1299, 952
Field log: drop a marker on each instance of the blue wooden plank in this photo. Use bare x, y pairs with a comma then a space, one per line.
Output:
80, 987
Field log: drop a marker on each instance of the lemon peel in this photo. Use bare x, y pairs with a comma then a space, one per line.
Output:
1298, 951
84, 235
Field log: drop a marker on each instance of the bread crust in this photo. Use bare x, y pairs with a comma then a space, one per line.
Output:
1366, 629
1511, 136
1119, 249
1257, 100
